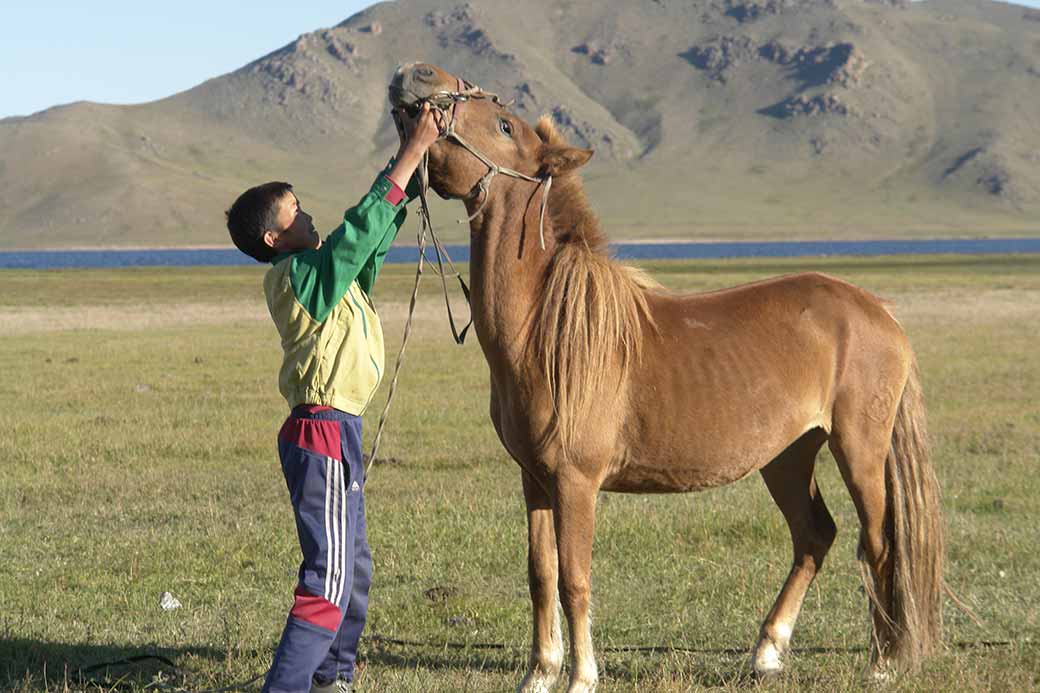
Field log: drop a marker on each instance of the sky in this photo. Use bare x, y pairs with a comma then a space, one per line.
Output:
129, 51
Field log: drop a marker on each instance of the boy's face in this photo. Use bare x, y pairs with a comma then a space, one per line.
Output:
294, 228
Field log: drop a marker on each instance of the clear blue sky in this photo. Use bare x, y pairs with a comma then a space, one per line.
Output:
123, 51
111, 51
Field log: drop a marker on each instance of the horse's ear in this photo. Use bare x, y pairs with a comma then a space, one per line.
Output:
560, 159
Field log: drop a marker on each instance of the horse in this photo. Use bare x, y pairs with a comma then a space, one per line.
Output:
601, 380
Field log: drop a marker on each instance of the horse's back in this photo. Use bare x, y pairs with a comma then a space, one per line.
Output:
799, 288
810, 303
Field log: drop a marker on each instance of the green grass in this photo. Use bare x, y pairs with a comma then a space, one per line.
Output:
138, 446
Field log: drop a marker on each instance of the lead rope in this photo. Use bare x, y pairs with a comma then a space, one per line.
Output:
425, 226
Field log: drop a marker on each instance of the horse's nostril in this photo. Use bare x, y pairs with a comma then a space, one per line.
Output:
424, 72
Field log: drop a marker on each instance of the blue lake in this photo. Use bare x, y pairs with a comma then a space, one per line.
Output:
84, 259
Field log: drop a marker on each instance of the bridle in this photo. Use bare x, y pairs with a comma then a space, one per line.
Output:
449, 103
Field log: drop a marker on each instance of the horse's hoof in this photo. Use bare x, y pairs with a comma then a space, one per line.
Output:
582, 687
536, 682
766, 663
765, 674
880, 674
762, 673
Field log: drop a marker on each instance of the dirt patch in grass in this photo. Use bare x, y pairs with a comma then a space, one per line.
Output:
973, 307
16, 320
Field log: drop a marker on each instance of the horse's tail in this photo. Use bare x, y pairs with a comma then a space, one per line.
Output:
915, 534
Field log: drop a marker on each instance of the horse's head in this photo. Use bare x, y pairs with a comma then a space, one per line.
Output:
484, 124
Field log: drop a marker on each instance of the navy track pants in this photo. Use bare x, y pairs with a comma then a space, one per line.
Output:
320, 450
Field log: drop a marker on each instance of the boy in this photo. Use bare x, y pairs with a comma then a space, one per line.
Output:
318, 295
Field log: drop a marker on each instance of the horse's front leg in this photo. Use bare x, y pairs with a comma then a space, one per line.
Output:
543, 668
574, 512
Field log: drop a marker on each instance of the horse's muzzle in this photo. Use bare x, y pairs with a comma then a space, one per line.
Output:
413, 83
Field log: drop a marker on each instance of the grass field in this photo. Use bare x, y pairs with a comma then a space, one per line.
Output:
137, 438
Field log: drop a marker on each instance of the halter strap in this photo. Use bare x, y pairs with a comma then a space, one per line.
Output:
455, 100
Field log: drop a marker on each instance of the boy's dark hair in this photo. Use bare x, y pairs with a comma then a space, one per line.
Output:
254, 212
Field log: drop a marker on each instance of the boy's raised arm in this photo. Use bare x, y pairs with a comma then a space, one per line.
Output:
367, 276
357, 248
320, 278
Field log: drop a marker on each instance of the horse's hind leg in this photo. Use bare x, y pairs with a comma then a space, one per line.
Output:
860, 452
881, 446
792, 483
547, 641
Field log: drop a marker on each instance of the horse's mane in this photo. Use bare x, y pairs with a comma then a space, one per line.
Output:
588, 331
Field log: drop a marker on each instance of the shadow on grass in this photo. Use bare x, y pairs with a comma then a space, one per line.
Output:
411, 655
35, 665
721, 666
513, 664
729, 672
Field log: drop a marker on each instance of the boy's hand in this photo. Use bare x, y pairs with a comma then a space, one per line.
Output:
417, 136
428, 129
421, 132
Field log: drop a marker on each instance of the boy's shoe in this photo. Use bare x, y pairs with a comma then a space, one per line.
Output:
337, 686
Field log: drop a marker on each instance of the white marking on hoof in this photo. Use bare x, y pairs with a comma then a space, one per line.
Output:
767, 660
584, 672
585, 678
543, 671
880, 674
544, 667
585, 675
769, 651
537, 682
583, 686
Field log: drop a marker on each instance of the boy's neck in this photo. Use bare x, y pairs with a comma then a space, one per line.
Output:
284, 255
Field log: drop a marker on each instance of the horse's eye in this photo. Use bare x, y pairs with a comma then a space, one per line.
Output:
505, 127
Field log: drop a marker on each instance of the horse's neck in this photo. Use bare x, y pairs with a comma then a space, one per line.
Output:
507, 269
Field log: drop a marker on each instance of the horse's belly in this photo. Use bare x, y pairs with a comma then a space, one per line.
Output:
706, 456
677, 476
708, 422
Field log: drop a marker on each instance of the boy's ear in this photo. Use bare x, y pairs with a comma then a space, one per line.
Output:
270, 238
559, 159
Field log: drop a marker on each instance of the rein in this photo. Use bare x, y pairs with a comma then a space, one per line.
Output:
448, 102
425, 226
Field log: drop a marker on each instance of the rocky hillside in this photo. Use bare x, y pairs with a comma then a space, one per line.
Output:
710, 119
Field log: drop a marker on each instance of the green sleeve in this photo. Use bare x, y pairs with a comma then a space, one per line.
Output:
367, 276
320, 278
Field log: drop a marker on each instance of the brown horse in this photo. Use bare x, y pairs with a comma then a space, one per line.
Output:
602, 380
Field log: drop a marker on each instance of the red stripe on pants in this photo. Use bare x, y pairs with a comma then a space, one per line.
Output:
317, 610
315, 435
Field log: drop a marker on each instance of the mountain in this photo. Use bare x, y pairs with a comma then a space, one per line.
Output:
710, 119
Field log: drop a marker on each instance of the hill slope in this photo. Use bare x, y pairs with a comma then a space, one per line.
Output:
710, 118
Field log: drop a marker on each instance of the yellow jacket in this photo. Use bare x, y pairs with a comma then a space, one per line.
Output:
319, 301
